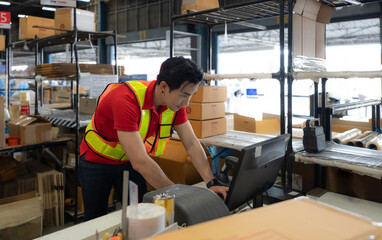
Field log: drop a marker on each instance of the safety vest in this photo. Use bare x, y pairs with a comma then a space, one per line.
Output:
112, 149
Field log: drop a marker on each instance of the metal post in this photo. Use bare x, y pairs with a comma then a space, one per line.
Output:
171, 29
378, 116
77, 107
281, 78
36, 82
115, 53
8, 68
316, 101
323, 107
373, 119
209, 47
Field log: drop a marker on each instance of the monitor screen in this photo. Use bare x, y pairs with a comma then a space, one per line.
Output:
256, 170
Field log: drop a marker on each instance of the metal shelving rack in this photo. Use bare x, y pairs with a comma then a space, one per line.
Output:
72, 38
249, 10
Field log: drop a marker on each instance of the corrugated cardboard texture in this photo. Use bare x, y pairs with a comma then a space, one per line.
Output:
88, 105
204, 111
2, 42
243, 123
297, 34
320, 40
27, 31
31, 129
198, 5
210, 94
208, 128
325, 14
311, 9
297, 219
308, 37
64, 19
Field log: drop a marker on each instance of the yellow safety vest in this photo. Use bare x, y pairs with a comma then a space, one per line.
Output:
112, 149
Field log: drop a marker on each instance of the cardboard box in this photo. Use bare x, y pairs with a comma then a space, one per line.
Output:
88, 105
204, 111
208, 128
198, 5
210, 94
27, 31
71, 161
297, 34
297, 219
248, 124
21, 219
308, 37
320, 40
340, 126
31, 129
63, 96
64, 19
311, 9
325, 14
299, 6
2, 42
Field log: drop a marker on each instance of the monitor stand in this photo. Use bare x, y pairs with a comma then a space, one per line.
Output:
277, 194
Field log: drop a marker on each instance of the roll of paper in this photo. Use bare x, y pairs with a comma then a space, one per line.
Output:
345, 137
361, 141
144, 220
375, 143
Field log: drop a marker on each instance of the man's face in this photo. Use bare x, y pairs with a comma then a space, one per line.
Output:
178, 98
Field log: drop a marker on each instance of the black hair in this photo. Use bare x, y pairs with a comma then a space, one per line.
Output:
177, 70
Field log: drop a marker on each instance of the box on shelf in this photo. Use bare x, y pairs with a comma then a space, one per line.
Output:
204, 111
308, 37
198, 5
2, 42
210, 94
208, 128
27, 31
249, 124
64, 19
88, 105
31, 129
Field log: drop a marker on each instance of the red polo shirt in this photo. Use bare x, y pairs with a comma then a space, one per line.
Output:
119, 110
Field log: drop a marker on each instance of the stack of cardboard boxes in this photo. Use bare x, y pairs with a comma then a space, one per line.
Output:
206, 111
309, 24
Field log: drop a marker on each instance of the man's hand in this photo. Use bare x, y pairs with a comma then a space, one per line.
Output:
220, 190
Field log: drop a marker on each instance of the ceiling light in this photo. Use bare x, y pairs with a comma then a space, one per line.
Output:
49, 9
22, 16
5, 3
83, 0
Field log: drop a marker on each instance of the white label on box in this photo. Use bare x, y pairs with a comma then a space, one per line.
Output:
65, 3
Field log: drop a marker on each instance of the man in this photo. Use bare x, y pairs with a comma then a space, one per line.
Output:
126, 116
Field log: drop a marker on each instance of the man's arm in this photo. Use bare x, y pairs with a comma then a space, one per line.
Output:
197, 155
135, 151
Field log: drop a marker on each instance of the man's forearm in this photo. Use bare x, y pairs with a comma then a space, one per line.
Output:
199, 159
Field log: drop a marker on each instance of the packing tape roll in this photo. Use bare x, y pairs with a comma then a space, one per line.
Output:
361, 141
375, 143
145, 220
345, 137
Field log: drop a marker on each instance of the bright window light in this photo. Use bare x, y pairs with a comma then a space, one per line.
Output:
5, 3
49, 9
22, 16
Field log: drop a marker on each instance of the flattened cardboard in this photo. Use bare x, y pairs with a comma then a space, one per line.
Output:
204, 111
311, 9
297, 35
2, 42
325, 14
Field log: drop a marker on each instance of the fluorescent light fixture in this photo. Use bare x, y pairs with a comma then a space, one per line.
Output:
83, 0
49, 9
5, 3
21, 16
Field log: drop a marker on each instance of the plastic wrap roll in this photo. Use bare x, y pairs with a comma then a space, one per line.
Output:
345, 137
144, 220
297, 133
353, 141
375, 143
361, 141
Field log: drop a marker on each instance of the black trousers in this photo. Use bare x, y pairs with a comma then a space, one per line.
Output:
97, 180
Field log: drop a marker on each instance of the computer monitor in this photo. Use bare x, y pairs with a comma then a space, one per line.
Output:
256, 170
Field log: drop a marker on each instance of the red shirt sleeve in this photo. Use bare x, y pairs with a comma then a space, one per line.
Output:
181, 116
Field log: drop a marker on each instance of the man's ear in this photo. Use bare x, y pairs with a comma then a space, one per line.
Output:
163, 86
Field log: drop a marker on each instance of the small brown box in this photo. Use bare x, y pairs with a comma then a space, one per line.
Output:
209, 128
204, 111
31, 129
27, 31
210, 94
88, 105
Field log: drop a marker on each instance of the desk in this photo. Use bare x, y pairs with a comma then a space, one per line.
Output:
359, 160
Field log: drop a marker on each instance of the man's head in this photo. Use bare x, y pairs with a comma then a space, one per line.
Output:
178, 80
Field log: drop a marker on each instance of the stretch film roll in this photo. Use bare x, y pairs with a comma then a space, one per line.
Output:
352, 141
361, 141
345, 137
145, 221
375, 143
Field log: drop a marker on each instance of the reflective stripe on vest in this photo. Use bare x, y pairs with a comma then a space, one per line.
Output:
113, 150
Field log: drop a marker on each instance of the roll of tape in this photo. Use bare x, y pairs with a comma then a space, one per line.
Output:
144, 220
